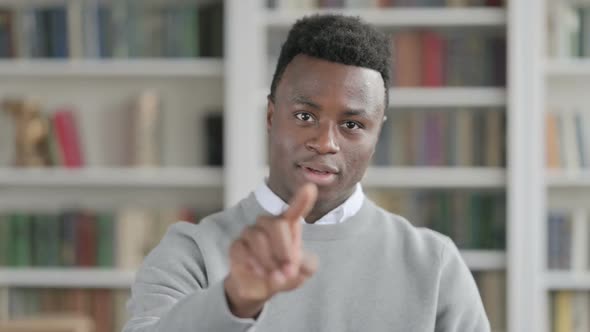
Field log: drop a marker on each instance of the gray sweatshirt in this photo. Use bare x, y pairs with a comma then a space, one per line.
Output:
376, 272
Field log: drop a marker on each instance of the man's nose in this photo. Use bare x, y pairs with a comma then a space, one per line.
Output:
325, 140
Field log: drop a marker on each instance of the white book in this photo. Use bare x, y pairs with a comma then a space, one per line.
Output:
90, 29
580, 133
581, 312
457, 3
91, 137
7, 140
360, 3
134, 227
4, 304
570, 143
464, 138
397, 121
75, 32
567, 27
580, 240
585, 116
285, 4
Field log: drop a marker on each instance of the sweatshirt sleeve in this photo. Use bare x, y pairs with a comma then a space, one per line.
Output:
171, 291
459, 304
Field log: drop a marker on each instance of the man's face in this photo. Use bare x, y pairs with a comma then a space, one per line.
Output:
323, 127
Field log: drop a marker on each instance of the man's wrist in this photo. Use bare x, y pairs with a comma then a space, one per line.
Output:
239, 307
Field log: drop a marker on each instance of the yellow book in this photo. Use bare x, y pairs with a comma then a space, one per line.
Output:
562, 311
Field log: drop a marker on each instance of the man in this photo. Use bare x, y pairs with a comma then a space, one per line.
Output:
362, 269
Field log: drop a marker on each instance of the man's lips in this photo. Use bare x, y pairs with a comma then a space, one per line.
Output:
320, 174
320, 168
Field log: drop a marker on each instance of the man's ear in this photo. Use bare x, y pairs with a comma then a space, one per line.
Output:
270, 109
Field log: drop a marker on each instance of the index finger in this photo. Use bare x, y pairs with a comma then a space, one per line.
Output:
302, 203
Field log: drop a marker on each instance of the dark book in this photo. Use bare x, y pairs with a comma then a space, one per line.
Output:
211, 30
214, 138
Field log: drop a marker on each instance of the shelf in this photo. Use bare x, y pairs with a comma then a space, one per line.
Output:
112, 177
66, 277
484, 260
438, 97
477, 260
400, 17
568, 179
198, 67
447, 97
573, 67
435, 177
562, 280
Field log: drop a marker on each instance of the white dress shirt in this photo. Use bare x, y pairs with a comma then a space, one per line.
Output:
274, 205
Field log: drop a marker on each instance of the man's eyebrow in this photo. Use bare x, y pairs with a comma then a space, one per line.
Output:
357, 112
302, 100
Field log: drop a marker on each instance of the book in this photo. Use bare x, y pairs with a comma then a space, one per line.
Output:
146, 130
7, 43
492, 286
68, 138
408, 59
214, 138
433, 59
562, 311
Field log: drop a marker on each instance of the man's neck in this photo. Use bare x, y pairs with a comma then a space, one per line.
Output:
321, 207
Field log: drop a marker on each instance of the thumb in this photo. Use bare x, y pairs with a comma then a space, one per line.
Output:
301, 203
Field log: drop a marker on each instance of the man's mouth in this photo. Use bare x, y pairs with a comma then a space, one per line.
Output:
322, 175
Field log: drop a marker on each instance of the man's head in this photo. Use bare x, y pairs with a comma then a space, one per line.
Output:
326, 106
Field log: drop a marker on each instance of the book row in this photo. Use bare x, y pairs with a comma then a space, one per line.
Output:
85, 238
105, 308
431, 58
567, 137
462, 137
125, 28
474, 220
32, 136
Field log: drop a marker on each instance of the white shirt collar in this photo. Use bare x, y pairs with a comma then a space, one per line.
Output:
274, 205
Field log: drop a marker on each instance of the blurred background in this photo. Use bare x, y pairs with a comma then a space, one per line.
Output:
120, 117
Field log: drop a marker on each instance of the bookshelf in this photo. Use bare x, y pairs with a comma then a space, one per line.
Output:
196, 85
559, 78
101, 91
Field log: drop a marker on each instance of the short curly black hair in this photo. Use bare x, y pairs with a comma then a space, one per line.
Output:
336, 38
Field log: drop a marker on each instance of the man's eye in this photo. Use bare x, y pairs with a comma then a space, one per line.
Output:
306, 117
352, 125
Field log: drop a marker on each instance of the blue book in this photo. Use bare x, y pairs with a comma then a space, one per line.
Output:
580, 136
105, 43
40, 47
58, 32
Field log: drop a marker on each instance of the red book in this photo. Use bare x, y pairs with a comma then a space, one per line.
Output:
86, 244
68, 139
494, 3
433, 59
